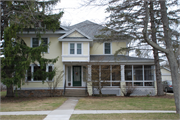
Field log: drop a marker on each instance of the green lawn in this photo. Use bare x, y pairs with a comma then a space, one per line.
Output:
3, 93
22, 117
126, 116
31, 103
126, 103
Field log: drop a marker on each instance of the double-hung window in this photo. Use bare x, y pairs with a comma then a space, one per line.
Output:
75, 48
72, 48
78, 48
107, 48
36, 42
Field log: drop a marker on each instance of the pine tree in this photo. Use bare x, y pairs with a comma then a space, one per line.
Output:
16, 17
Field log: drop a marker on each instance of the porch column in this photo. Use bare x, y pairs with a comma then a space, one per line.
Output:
64, 71
123, 83
89, 83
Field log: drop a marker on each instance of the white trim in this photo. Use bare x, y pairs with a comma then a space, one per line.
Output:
81, 76
110, 48
122, 73
74, 60
88, 51
89, 73
64, 74
71, 31
62, 48
76, 40
72, 55
165, 74
71, 75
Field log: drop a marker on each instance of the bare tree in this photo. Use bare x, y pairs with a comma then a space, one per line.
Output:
52, 84
127, 90
169, 51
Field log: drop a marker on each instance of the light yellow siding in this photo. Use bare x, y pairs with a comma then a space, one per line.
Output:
98, 48
55, 50
85, 48
118, 45
75, 58
65, 48
75, 34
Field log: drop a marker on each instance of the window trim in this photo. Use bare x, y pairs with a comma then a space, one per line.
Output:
110, 48
40, 43
75, 48
32, 71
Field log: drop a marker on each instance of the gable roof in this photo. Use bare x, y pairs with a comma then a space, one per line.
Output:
85, 38
87, 27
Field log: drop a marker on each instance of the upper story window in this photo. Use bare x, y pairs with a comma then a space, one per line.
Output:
107, 48
72, 48
76, 48
36, 42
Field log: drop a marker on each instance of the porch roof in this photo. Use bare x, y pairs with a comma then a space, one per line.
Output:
119, 58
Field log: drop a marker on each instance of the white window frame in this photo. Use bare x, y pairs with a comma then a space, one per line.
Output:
32, 71
110, 48
75, 48
40, 43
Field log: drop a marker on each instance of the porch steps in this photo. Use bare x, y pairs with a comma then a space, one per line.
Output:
75, 93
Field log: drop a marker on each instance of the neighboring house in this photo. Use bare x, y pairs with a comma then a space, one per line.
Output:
166, 74
79, 51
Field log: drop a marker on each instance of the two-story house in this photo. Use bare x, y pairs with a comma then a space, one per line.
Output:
83, 59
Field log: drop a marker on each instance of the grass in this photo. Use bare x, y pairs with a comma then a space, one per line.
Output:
126, 116
3, 93
22, 117
31, 103
126, 103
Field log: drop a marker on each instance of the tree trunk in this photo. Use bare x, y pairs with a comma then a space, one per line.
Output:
171, 56
156, 56
100, 93
10, 91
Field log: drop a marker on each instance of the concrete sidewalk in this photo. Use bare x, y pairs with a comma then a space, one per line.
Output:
65, 111
84, 112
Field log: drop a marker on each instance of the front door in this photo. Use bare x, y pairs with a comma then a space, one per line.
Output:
76, 75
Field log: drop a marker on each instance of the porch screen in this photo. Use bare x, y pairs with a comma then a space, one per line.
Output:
148, 72
105, 72
95, 72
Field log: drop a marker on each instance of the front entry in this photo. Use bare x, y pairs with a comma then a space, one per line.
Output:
76, 75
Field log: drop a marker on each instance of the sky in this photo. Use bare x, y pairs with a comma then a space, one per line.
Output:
75, 12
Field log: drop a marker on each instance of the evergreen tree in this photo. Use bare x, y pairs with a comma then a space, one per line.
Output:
16, 17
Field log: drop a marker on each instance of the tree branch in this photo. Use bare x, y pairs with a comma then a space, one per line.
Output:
144, 31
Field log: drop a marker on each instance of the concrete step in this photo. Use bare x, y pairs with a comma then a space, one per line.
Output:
75, 93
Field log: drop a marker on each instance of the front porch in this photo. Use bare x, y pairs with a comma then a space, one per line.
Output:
112, 77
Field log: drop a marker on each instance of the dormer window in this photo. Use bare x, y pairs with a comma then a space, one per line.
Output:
107, 48
76, 48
